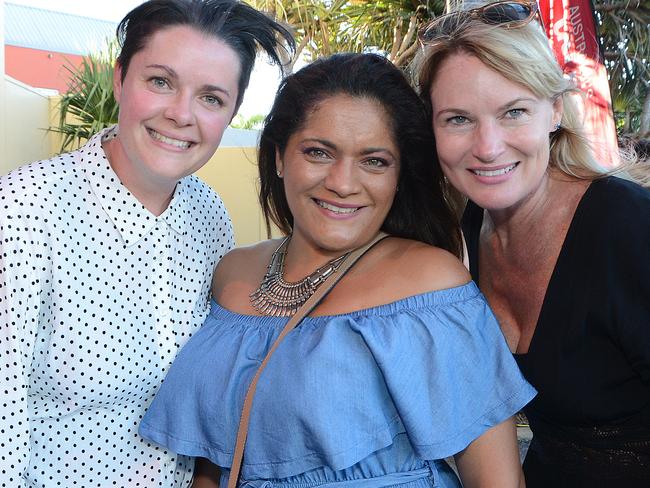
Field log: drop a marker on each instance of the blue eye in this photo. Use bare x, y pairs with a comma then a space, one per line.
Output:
458, 120
212, 100
515, 113
158, 82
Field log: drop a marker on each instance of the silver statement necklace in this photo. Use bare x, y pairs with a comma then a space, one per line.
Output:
280, 298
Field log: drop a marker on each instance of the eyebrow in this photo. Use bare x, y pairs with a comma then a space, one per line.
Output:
367, 150
505, 106
172, 74
516, 101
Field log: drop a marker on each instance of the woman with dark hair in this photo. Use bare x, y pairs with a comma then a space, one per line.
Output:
559, 246
381, 379
106, 253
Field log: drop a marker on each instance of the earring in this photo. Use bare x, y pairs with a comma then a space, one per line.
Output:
277, 172
557, 127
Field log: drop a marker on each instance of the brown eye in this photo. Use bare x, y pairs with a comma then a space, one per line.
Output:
376, 162
315, 152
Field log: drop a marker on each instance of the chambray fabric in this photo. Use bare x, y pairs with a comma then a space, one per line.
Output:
355, 396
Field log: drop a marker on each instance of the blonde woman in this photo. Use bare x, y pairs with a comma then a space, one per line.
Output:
560, 248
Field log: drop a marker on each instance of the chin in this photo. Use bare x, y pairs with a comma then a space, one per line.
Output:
338, 245
496, 204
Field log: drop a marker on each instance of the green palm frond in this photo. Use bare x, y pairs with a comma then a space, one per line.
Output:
323, 27
252, 122
88, 106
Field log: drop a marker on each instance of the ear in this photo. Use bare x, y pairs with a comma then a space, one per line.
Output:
117, 82
279, 164
558, 111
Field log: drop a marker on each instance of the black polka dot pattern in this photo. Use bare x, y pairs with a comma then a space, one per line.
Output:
97, 295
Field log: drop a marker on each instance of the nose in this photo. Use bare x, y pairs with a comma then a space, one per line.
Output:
488, 142
342, 177
180, 109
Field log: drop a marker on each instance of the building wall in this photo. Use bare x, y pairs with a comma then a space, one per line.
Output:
41, 69
3, 110
27, 115
232, 172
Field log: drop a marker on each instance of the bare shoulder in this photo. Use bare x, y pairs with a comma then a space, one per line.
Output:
423, 267
394, 269
241, 268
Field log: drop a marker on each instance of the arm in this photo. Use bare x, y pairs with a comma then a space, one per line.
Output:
492, 460
206, 474
19, 312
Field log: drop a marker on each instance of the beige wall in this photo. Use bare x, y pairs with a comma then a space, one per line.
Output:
232, 172
26, 116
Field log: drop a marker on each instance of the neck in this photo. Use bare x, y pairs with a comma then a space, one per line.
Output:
152, 194
551, 207
304, 258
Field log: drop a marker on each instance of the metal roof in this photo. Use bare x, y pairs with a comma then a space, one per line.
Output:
37, 28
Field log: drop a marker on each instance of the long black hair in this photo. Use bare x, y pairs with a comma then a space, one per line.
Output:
420, 209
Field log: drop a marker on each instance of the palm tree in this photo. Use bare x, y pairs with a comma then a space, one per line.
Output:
624, 28
323, 27
315, 23
390, 26
88, 106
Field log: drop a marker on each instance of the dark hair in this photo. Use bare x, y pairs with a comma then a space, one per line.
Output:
237, 24
420, 210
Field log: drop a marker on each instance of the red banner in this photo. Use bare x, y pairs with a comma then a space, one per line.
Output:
571, 29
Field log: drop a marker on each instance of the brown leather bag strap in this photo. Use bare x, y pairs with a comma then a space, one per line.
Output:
302, 312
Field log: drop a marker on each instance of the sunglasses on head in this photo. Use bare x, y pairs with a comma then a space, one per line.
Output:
509, 15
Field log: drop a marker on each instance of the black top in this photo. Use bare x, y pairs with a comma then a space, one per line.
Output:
589, 357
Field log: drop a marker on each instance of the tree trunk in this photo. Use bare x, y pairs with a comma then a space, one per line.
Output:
644, 128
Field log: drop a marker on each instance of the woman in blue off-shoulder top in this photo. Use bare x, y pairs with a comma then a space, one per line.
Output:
401, 365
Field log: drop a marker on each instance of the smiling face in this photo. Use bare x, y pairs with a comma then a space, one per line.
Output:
340, 173
177, 98
492, 134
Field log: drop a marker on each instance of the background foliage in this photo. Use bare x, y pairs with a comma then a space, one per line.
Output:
625, 38
88, 106
323, 27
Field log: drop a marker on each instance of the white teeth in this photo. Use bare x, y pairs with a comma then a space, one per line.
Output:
335, 209
495, 172
169, 140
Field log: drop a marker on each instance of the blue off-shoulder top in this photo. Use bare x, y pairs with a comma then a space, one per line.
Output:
366, 399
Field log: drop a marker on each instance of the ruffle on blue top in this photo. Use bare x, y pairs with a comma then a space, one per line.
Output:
339, 388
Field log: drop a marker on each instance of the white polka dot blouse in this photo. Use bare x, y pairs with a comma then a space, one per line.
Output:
97, 295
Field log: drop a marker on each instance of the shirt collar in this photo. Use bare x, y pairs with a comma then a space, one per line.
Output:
132, 220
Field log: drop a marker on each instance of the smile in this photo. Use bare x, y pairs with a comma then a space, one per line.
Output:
168, 140
494, 172
335, 209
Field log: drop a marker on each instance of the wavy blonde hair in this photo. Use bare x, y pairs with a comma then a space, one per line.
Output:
521, 55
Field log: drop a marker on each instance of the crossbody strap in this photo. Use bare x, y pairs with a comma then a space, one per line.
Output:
303, 311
